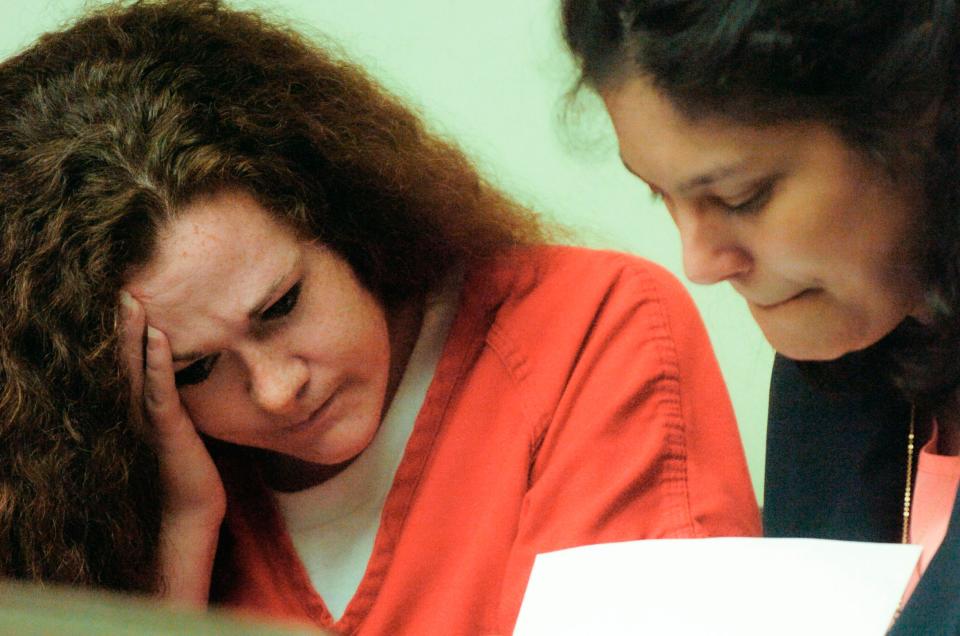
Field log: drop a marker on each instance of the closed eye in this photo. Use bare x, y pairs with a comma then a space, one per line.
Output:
751, 204
284, 305
196, 372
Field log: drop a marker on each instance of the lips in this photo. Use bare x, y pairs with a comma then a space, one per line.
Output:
313, 417
781, 302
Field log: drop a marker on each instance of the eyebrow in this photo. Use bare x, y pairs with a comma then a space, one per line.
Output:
261, 306
258, 308
699, 181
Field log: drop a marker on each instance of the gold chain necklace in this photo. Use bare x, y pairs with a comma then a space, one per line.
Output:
908, 489
907, 496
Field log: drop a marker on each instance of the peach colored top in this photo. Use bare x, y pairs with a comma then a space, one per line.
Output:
934, 492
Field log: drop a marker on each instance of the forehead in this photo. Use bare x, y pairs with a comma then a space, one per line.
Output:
665, 147
213, 260
221, 231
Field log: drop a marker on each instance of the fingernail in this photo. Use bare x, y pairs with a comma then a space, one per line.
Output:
152, 334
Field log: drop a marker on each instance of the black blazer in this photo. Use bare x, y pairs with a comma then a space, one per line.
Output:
836, 468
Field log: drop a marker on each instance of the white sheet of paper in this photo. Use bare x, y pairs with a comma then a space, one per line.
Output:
715, 587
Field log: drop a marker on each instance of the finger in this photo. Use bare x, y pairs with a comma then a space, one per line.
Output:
132, 340
159, 389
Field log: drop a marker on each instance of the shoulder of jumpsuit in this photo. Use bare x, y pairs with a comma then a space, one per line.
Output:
530, 289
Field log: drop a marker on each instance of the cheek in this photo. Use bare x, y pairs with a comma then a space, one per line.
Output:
366, 348
358, 336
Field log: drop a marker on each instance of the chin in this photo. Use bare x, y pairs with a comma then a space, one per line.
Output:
342, 445
810, 354
808, 331
818, 347
328, 456
811, 346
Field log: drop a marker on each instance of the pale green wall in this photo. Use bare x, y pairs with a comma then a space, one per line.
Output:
491, 74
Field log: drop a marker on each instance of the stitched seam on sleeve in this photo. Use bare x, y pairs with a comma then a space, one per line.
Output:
675, 476
514, 363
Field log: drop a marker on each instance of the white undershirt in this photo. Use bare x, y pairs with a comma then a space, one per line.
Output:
333, 525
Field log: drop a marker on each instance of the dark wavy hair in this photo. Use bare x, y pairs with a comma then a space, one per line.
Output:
884, 75
107, 130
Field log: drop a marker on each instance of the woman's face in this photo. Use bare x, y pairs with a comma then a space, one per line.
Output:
276, 344
815, 238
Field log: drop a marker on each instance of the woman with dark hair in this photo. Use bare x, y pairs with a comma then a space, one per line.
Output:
808, 154
265, 340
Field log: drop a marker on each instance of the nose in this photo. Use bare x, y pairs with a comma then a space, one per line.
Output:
277, 380
711, 252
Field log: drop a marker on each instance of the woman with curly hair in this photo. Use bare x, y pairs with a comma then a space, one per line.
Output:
808, 153
266, 341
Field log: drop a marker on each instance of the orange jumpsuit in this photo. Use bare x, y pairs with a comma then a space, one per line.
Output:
577, 400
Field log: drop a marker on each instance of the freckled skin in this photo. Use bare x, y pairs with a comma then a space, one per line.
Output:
216, 262
825, 259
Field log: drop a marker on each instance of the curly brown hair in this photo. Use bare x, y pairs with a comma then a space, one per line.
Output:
107, 130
